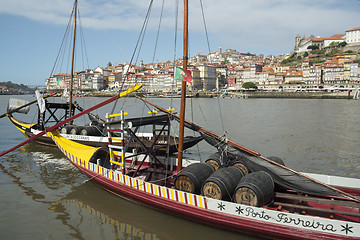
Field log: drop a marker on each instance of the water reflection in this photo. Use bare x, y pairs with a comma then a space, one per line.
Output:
83, 208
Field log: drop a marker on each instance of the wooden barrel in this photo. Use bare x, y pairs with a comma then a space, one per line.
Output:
222, 183
75, 130
255, 189
215, 160
191, 178
90, 131
65, 130
239, 163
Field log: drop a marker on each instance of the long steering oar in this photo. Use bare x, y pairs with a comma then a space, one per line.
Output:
251, 152
25, 105
130, 90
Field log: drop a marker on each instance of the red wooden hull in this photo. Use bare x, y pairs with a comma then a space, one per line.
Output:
206, 216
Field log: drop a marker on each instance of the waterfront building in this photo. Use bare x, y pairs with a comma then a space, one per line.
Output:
58, 81
294, 77
315, 78
333, 74
207, 78
98, 82
114, 79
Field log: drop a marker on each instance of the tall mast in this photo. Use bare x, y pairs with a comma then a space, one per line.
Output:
72, 61
183, 88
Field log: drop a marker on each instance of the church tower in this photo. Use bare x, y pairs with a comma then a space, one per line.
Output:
297, 42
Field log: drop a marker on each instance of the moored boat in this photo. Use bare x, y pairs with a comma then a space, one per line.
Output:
97, 137
289, 215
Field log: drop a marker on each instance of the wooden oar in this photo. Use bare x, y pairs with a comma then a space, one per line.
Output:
25, 105
238, 146
136, 87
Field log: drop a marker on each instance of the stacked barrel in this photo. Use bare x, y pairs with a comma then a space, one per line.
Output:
222, 179
83, 130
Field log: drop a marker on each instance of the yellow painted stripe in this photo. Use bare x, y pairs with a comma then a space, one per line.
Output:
156, 190
74, 148
116, 115
191, 199
200, 201
148, 187
133, 182
116, 177
141, 185
127, 181
163, 192
181, 195
157, 111
116, 139
117, 163
172, 194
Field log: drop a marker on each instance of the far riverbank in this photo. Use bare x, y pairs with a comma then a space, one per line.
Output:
248, 94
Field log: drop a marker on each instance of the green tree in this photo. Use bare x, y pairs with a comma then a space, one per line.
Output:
248, 85
313, 47
342, 44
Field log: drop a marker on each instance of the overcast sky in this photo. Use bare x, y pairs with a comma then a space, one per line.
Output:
32, 30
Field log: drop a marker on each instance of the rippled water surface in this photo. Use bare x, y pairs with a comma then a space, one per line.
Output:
44, 197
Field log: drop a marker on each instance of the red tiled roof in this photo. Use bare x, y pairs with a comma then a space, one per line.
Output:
354, 29
333, 37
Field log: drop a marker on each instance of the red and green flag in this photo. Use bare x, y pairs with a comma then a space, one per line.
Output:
182, 75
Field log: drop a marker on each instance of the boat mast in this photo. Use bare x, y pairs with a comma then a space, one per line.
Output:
183, 88
72, 61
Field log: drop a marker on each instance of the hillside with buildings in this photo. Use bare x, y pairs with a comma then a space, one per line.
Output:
9, 88
316, 64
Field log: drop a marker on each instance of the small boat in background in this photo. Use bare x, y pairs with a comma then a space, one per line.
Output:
94, 135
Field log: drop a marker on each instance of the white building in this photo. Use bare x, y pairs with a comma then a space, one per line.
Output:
353, 35
98, 82
302, 44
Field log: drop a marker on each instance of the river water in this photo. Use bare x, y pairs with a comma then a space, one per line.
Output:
44, 197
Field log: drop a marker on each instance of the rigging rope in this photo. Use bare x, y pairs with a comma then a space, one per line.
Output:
158, 31
62, 44
207, 39
140, 38
82, 41
175, 44
206, 32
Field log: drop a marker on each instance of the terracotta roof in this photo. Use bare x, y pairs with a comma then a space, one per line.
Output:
337, 36
333, 37
354, 29
64, 74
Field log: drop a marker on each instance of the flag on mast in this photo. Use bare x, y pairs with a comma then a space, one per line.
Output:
182, 75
